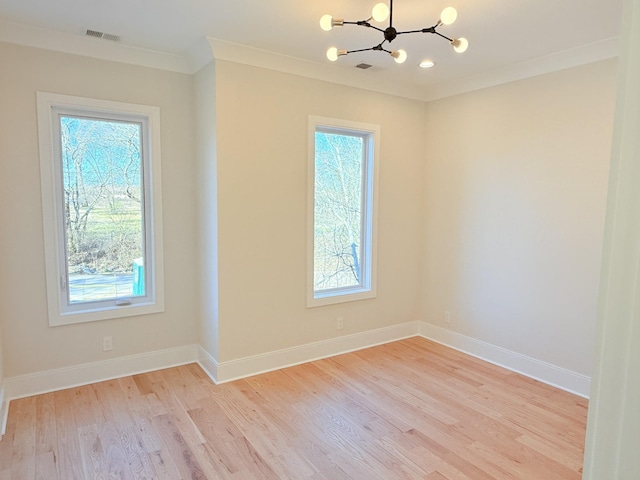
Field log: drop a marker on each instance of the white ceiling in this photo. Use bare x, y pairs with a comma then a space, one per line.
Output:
502, 35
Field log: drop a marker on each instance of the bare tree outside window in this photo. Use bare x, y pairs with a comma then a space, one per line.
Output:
338, 222
104, 224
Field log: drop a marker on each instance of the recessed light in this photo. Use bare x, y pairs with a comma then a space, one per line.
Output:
427, 64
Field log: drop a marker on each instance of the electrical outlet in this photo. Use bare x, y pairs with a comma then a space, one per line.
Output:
447, 317
107, 343
339, 323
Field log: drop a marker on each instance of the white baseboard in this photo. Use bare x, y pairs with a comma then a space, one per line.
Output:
267, 362
68, 377
221, 372
545, 372
208, 364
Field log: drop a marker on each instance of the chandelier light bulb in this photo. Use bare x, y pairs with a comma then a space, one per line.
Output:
333, 53
448, 16
400, 56
326, 22
380, 12
460, 45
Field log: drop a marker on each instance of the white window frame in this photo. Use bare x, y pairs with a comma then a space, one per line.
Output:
50, 106
368, 284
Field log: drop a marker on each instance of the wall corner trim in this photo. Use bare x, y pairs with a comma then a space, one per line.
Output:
4, 412
208, 363
544, 372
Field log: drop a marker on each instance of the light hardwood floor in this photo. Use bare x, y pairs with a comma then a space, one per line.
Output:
406, 410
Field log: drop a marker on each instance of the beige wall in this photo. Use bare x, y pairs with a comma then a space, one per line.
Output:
30, 344
491, 205
262, 119
515, 184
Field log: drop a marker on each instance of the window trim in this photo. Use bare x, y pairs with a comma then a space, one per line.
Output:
60, 312
368, 287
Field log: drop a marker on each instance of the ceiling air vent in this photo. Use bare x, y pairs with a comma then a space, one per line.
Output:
363, 66
104, 36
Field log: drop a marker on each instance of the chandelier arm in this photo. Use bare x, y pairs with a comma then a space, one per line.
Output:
426, 30
422, 30
377, 48
376, 28
361, 50
380, 48
443, 36
364, 23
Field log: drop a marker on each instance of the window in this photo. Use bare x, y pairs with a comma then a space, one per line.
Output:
102, 217
342, 183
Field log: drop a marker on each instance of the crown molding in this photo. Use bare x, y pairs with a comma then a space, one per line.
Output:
210, 49
594, 52
234, 52
91, 47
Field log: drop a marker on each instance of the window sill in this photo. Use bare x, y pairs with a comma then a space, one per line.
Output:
331, 298
106, 313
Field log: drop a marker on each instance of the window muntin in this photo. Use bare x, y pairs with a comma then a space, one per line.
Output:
342, 207
101, 208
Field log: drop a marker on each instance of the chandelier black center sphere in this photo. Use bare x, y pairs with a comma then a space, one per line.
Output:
380, 13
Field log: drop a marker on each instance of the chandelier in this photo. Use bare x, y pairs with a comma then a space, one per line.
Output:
380, 13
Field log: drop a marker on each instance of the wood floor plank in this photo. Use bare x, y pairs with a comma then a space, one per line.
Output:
115, 455
267, 439
45, 424
24, 440
571, 457
411, 409
229, 446
164, 466
362, 424
92, 454
178, 450
313, 446
46, 466
68, 446
365, 392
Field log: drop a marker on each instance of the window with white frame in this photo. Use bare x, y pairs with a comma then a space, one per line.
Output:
102, 210
342, 211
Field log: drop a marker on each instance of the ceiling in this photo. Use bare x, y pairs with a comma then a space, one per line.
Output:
502, 35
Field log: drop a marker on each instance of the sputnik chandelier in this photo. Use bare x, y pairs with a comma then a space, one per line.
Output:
380, 13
